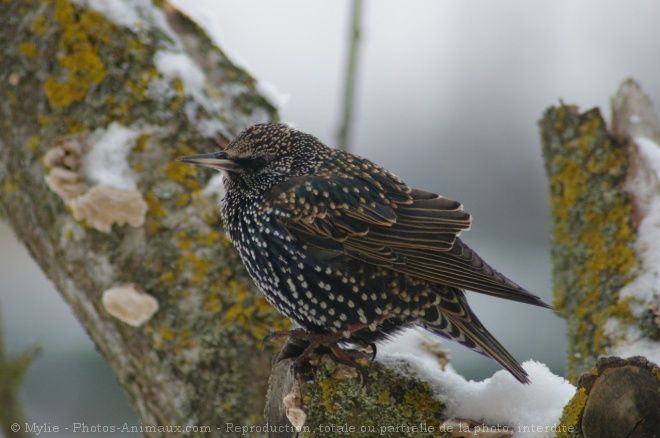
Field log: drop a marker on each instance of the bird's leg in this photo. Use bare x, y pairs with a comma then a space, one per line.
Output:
295, 333
327, 339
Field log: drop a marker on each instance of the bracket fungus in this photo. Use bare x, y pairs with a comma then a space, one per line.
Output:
129, 304
100, 206
292, 403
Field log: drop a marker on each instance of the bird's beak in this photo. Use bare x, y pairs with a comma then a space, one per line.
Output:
214, 160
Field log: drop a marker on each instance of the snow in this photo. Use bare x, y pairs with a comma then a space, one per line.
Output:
106, 162
124, 13
200, 14
135, 14
650, 150
273, 94
498, 400
644, 290
215, 186
175, 65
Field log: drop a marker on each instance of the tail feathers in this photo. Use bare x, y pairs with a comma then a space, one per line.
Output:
466, 329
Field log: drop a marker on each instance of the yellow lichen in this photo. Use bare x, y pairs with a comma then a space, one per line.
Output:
182, 200
592, 229
384, 397
40, 25
327, 390
156, 208
183, 175
82, 67
28, 49
573, 411
33, 143
141, 142
167, 278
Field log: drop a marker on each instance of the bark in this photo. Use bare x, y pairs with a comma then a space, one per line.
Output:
601, 191
616, 398
68, 73
329, 398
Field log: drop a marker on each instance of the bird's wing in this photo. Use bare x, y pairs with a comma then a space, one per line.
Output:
374, 217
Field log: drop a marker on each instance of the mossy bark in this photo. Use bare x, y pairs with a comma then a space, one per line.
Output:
369, 400
66, 69
597, 212
593, 236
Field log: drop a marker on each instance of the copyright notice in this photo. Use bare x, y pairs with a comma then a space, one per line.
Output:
37, 429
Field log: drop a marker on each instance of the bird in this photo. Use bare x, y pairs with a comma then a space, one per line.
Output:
347, 250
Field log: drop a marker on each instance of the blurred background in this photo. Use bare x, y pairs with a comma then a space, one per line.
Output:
447, 96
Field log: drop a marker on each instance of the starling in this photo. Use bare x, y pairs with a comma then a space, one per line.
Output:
347, 250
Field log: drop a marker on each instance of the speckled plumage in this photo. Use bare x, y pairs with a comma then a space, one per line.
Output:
339, 244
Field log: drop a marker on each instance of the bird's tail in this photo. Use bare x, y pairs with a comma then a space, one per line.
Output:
453, 319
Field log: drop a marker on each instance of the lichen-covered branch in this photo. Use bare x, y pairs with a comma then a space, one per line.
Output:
330, 398
603, 280
94, 107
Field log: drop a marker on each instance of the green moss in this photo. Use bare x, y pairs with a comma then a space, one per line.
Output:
380, 405
593, 236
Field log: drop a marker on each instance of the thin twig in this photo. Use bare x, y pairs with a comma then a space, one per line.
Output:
343, 134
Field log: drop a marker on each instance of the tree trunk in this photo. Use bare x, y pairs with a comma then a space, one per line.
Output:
604, 194
72, 82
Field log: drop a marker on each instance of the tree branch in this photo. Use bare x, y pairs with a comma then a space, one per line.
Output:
602, 190
137, 82
343, 134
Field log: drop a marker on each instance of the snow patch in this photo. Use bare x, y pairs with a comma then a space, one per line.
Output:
500, 399
650, 150
107, 161
175, 65
134, 14
644, 290
208, 22
273, 94
215, 186
123, 13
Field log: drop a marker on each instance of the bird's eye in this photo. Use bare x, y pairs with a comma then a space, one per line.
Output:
254, 164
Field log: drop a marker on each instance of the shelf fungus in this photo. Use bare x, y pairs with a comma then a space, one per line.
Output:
129, 304
293, 404
99, 206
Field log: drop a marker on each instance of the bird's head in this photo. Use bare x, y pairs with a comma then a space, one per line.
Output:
261, 156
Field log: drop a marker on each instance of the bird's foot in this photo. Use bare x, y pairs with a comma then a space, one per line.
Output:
295, 333
329, 340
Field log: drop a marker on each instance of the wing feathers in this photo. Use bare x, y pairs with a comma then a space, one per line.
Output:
377, 219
